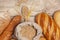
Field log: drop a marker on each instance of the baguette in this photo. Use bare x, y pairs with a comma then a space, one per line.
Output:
49, 27
6, 35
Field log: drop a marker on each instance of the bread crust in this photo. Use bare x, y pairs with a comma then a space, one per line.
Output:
56, 18
49, 27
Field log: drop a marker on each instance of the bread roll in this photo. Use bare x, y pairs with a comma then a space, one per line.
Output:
49, 27
28, 31
57, 17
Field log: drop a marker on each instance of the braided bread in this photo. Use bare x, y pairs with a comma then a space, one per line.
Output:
50, 29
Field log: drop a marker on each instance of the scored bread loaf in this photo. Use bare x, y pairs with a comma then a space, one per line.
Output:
49, 27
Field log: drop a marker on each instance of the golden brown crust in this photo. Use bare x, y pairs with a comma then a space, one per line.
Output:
42, 38
57, 23
57, 17
48, 26
6, 35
